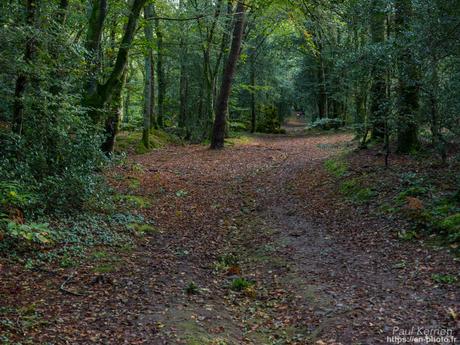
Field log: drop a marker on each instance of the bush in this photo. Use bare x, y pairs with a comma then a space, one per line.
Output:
269, 121
327, 124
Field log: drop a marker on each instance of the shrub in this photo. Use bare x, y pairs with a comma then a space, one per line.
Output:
327, 124
336, 167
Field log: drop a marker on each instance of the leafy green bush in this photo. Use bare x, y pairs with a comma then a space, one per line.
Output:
33, 232
269, 121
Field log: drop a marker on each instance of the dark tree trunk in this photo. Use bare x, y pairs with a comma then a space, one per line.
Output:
93, 42
408, 105
378, 87
218, 134
22, 80
322, 99
113, 120
102, 95
253, 91
149, 73
183, 86
160, 73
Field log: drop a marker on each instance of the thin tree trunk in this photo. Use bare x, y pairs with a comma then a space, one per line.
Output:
22, 80
217, 140
149, 73
253, 90
160, 72
183, 85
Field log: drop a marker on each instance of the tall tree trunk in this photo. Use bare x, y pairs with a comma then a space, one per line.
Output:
149, 76
96, 99
22, 80
113, 120
322, 100
93, 42
378, 87
253, 89
160, 72
183, 86
408, 105
217, 140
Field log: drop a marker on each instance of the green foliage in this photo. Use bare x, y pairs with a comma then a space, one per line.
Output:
33, 232
143, 229
407, 235
336, 167
192, 289
444, 278
240, 284
328, 124
238, 126
269, 120
131, 141
15, 195
133, 201
181, 193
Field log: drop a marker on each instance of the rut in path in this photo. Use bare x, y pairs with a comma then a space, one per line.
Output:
324, 272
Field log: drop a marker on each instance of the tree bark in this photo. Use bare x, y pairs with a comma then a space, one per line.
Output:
160, 72
218, 134
149, 77
113, 120
378, 87
253, 90
408, 105
93, 42
22, 80
96, 99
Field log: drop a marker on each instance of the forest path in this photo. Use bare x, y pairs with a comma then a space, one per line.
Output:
323, 272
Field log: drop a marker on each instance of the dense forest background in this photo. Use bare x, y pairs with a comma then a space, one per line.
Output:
74, 74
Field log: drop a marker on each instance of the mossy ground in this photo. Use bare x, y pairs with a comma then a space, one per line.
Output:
131, 141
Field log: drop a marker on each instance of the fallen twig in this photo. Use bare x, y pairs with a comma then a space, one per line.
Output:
63, 289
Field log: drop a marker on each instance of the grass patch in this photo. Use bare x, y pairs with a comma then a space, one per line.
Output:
133, 201
444, 278
336, 167
353, 190
106, 268
238, 138
143, 229
131, 141
240, 284
192, 289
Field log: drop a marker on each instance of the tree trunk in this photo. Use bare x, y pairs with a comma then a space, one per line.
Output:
183, 86
160, 72
22, 80
378, 87
93, 43
253, 90
113, 120
217, 140
408, 105
322, 100
96, 99
149, 73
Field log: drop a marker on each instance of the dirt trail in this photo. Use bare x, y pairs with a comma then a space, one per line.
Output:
324, 273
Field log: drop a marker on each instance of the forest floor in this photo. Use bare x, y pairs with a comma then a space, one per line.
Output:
252, 244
